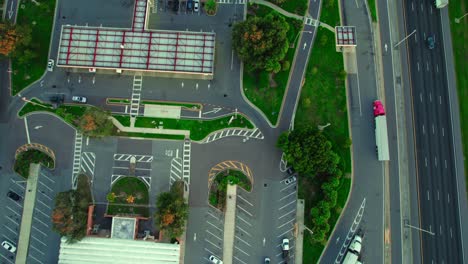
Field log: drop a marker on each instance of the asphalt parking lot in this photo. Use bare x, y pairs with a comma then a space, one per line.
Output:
213, 234
286, 218
245, 240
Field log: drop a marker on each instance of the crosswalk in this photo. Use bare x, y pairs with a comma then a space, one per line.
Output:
247, 133
77, 158
136, 95
239, 2
138, 158
310, 21
88, 163
176, 170
186, 161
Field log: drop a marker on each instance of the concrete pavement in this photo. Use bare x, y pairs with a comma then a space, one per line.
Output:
229, 223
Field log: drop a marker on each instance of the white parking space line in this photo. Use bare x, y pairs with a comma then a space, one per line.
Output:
44, 234
293, 210
245, 232
247, 212
288, 222
238, 259
216, 246
243, 199
13, 211
241, 251
50, 190
11, 230
37, 219
16, 183
249, 224
33, 237
43, 204
29, 255
43, 213
14, 222
209, 251
214, 226
243, 241
287, 187
290, 230
43, 175
18, 204
281, 208
213, 235
213, 215
9, 261
46, 196
40, 252
287, 196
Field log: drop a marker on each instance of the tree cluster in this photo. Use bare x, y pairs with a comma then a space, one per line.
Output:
70, 214
261, 42
12, 37
95, 123
172, 211
210, 7
310, 153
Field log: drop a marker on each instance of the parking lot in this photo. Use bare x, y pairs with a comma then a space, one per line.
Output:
213, 233
244, 240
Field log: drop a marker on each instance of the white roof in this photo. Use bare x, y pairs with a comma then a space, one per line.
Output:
108, 250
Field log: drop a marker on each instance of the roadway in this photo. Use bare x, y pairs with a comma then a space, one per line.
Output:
436, 170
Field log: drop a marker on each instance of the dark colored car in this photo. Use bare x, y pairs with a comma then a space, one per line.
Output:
290, 171
176, 6
189, 5
13, 196
430, 41
57, 100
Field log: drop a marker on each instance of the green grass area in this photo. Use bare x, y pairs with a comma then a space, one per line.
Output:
217, 197
123, 119
185, 105
199, 129
70, 113
40, 18
323, 96
293, 6
330, 14
373, 10
257, 86
148, 135
458, 8
24, 159
128, 196
117, 101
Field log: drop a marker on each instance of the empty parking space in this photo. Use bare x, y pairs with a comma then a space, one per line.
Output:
244, 248
286, 219
213, 233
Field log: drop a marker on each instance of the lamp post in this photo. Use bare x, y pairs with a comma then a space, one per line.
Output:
457, 20
414, 31
420, 229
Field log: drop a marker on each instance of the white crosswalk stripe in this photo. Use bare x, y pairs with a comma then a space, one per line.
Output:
310, 21
77, 157
136, 95
139, 158
88, 162
176, 170
255, 133
186, 161
239, 2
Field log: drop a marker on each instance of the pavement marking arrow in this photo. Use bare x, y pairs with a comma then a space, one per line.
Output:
386, 47
214, 111
10, 12
305, 45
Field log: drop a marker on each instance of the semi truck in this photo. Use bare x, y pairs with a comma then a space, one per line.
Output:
354, 249
381, 136
441, 3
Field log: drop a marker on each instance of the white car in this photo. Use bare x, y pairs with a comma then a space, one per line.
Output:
9, 246
196, 6
79, 99
290, 180
215, 260
50, 65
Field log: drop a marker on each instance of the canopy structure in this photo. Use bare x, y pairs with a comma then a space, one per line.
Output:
137, 49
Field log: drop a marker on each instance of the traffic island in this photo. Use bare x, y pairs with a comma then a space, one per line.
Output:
222, 182
128, 197
33, 153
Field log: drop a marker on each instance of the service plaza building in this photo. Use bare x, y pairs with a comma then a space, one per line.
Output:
165, 53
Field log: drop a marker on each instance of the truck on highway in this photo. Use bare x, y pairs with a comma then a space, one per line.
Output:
354, 249
441, 3
381, 136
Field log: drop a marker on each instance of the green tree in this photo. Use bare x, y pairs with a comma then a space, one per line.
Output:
95, 123
172, 211
309, 152
261, 42
210, 7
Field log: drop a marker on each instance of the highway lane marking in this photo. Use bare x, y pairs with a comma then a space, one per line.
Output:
438, 196
445, 163
244, 200
247, 212
448, 198
425, 161
412, 6
214, 226
437, 67
238, 259
443, 134
415, 38
232, 59
451, 234
195, 236
433, 129
435, 161
249, 224
427, 66
245, 242
440, 230
243, 231
422, 7
241, 251
440, 99
428, 198
212, 244
286, 205
287, 195
27, 130
431, 8
417, 65
420, 97
293, 210
359, 92
424, 130
430, 97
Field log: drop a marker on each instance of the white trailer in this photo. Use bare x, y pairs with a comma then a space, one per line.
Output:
441, 3
381, 135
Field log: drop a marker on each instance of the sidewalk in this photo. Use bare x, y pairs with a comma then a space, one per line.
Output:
299, 246
149, 130
229, 223
28, 208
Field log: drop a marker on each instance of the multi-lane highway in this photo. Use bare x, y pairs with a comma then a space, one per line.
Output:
441, 242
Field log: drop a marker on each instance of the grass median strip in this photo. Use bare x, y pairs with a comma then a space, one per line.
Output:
128, 196
31, 63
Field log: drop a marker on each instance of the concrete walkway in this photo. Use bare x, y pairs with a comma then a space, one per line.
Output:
149, 130
299, 246
229, 223
28, 208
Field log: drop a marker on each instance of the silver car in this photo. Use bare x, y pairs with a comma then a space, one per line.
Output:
290, 180
50, 65
215, 260
9, 246
79, 99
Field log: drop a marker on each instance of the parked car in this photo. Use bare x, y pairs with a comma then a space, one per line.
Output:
79, 99
50, 65
189, 5
14, 196
285, 247
196, 6
290, 180
267, 260
215, 260
9, 246
430, 41
290, 171
176, 6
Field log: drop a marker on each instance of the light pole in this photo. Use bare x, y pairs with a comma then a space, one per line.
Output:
420, 229
293, 44
457, 20
414, 31
321, 128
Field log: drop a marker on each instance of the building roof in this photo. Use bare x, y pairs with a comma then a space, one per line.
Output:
345, 36
108, 250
